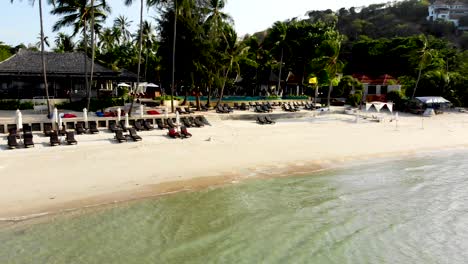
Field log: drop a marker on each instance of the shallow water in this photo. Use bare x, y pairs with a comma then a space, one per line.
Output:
391, 211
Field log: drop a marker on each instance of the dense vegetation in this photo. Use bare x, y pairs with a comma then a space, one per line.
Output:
428, 58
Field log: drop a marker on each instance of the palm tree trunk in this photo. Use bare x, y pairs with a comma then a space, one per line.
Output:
173, 56
85, 39
139, 57
417, 81
222, 87
146, 62
209, 95
279, 76
330, 88
44, 69
93, 50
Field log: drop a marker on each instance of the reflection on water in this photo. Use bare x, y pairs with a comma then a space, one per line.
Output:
407, 211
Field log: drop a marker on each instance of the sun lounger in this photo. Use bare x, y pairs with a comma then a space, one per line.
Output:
204, 108
220, 109
184, 133
259, 109
54, 139
148, 125
243, 107
187, 109
173, 133
70, 138
138, 126
114, 127
181, 110
228, 108
119, 136
14, 132
265, 108
160, 124
122, 125
63, 131
186, 122
261, 120
80, 128
93, 128
28, 140
47, 130
203, 120
133, 134
12, 143
170, 123
269, 120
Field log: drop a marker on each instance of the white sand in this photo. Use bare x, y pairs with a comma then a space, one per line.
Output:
98, 170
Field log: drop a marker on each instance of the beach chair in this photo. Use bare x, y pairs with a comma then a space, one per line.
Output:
133, 134
184, 133
170, 123
197, 122
173, 133
188, 110
259, 109
114, 127
47, 130
28, 140
93, 128
181, 110
160, 124
261, 120
12, 143
119, 136
70, 138
265, 108
63, 131
204, 108
243, 107
228, 108
220, 109
269, 120
122, 125
186, 122
148, 125
54, 139
79, 128
14, 132
203, 120
138, 126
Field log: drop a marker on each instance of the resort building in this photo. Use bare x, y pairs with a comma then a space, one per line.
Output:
376, 89
447, 11
21, 76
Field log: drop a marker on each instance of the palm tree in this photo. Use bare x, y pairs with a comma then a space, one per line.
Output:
64, 43
425, 56
329, 52
77, 13
279, 31
44, 65
122, 24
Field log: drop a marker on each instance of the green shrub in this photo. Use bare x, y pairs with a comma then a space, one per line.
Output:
15, 104
26, 105
273, 97
354, 99
398, 99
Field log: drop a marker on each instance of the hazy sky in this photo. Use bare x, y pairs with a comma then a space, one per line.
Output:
19, 21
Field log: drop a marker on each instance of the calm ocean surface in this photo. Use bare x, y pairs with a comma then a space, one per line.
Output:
389, 211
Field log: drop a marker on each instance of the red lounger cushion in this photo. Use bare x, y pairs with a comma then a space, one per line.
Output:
69, 116
152, 112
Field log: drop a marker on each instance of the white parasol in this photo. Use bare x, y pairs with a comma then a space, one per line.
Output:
55, 117
141, 110
85, 115
60, 122
127, 124
165, 112
19, 120
119, 114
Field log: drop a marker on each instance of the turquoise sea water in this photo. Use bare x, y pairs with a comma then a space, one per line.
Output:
389, 211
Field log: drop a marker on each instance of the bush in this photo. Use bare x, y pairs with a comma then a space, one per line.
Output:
273, 97
354, 99
398, 99
95, 104
15, 104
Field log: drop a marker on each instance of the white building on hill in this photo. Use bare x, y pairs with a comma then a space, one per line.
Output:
447, 11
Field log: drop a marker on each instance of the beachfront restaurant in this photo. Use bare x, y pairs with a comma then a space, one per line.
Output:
376, 89
21, 76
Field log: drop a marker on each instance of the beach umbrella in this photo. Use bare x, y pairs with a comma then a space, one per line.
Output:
60, 122
127, 124
177, 121
396, 121
55, 117
165, 112
141, 110
85, 115
119, 113
19, 120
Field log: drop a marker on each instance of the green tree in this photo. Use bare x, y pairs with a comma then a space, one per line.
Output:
424, 57
64, 43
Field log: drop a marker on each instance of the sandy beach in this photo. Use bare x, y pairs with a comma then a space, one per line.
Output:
98, 170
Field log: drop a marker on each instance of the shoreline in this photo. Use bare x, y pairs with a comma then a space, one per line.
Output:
154, 191
47, 181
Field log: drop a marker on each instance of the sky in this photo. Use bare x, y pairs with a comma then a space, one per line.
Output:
19, 22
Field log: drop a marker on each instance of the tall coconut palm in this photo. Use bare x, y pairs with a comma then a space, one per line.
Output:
279, 32
44, 64
78, 14
122, 24
425, 56
64, 43
329, 52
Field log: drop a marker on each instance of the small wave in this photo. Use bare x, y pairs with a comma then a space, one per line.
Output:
420, 168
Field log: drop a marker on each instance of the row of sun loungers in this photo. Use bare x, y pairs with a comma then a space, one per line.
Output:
183, 133
120, 137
